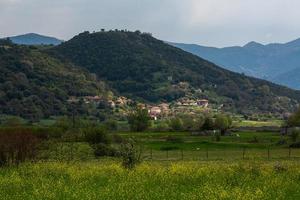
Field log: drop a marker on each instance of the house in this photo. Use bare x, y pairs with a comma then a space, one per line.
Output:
111, 103
92, 99
154, 112
121, 101
165, 108
188, 102
203, 103
73, 99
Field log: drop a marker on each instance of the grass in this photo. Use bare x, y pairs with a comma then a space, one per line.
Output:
249, 123
106, 179
157, 141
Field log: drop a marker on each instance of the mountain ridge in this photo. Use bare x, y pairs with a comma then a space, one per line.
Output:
271, 61
35, 39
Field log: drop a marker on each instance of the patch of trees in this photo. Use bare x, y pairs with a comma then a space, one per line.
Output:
35, 86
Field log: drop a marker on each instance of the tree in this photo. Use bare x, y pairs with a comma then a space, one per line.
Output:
139, 120
176, 124
223, 123
208, 123
294, 119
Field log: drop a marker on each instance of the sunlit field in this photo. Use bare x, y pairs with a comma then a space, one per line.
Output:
106, 179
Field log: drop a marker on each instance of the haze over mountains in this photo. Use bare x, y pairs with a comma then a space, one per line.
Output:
279, 63
35, 39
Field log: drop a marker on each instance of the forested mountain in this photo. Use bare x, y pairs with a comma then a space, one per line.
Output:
34, 85
35, 39
279, 63
137, 65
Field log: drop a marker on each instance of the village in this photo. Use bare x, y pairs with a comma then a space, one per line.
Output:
156, 111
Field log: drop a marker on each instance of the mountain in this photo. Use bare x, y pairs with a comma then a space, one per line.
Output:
139, 66
35, 39
34, 85
274, 62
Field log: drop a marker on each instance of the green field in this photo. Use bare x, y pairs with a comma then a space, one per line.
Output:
249, 123
174, 165
106, 179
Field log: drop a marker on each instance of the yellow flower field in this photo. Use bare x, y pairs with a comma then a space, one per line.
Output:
107, 179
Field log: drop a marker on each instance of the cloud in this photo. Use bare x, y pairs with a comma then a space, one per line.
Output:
209, 22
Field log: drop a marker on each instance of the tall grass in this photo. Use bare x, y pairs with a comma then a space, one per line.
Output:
156, 180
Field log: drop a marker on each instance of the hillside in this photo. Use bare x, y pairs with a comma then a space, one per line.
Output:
273, 62
33, 85
139, 66
35, 39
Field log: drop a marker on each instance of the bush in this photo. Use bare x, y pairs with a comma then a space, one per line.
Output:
162, 126
176, 124
111, 125
17, 145
104, 150
131, 155
117, 139
96, 135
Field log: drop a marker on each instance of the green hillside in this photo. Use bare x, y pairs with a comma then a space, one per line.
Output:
34, 85
139, 66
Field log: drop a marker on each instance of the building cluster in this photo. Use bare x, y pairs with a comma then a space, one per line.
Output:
155, 111
190, 102
160, 110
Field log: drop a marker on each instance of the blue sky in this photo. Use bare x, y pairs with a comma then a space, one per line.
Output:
207, 22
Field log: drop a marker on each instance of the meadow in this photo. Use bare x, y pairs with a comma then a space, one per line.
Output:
107, 179
245, 164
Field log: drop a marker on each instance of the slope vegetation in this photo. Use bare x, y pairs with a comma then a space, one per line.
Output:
142, 67
35, 85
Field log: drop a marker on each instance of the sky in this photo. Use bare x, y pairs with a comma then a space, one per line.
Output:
207, 22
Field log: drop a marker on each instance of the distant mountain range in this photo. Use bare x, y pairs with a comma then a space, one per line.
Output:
279, 63
35, 39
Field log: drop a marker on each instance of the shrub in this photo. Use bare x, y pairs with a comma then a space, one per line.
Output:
17, 145
131, 154
111, 125
117, 139
96, 135
162, 126
104, 150
176, 124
